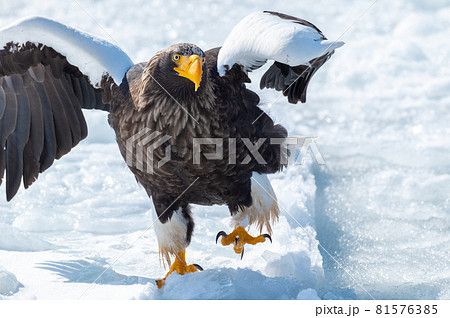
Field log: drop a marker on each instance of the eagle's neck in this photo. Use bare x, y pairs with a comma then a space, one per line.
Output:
179, 114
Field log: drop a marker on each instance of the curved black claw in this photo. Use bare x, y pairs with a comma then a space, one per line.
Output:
242, 254
267, 236
198, 267
221, 233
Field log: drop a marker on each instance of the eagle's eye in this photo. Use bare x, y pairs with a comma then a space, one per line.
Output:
176, 57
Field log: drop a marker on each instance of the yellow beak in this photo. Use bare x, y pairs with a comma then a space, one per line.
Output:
191, 68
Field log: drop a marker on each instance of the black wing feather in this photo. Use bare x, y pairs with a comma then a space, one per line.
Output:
62, 128
48, 154
16, 143
41, 97
33, 149
85, 93
2, 99
71, 115
67, 84
77, 89
292, 81
8, 123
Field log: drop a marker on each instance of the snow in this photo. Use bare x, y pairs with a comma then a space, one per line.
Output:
262, 36
93, 56
13, 239
373, 222
8, 283
224, 283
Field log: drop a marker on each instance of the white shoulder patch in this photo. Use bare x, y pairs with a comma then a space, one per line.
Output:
263, 36
93, 56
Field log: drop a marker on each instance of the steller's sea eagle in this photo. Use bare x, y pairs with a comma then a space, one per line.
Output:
50, 72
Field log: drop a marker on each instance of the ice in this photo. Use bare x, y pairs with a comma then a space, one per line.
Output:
224, 283
8, 283
373, 222
308, 293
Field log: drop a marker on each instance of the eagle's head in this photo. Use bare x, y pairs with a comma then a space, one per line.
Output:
179, 68
178, 71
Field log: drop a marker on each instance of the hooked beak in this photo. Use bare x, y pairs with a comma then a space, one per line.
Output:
191, 68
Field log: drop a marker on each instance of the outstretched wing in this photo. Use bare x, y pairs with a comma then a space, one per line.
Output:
297, 46
48, 73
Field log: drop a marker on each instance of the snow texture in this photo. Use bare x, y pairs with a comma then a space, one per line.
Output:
93, 56
379, 207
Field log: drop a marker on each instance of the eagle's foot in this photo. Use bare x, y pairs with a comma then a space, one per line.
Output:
239, 237
179, 266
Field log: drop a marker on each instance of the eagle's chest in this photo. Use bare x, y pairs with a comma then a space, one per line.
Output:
173, 155
171, 140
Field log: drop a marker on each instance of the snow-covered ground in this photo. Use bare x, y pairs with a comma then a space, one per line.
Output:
373, 222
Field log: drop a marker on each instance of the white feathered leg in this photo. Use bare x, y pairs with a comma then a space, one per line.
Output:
264, 211
174, 236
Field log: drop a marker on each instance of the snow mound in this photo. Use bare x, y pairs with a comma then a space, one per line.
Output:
8, 283
224, 283
297, 265
15, 240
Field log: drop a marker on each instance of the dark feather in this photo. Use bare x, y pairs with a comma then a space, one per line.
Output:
77, 88
2, 99
41, 96
33, 149
48, 154
62, 128
8, 123
72, 117
292, 81
56, 64
85, 93
74, 102
37, 73
16, 142
223, 107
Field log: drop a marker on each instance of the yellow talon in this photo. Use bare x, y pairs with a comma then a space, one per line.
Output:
239, 237
179, 266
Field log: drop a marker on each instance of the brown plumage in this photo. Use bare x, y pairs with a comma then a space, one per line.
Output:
42, 94
52, 94
221, 108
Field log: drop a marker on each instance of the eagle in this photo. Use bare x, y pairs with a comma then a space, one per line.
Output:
187, 126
